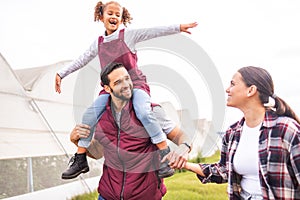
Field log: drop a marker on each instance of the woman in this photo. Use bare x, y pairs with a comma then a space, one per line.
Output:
260, 155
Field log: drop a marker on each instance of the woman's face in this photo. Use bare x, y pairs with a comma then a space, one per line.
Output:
237, 91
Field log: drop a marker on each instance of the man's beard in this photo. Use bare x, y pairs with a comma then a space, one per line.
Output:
120, 96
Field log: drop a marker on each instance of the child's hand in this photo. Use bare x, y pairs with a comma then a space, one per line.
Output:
57, 83
185, 27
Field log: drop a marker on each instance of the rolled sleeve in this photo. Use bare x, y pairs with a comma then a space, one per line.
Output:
165, 122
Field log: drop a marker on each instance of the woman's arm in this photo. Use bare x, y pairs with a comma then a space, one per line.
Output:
178, 157
194, 167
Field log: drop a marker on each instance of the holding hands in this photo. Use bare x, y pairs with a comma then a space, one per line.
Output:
178, 157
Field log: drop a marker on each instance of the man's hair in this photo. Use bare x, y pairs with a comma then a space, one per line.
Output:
107, 70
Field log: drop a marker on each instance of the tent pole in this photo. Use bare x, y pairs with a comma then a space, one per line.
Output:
36, 107
29, 175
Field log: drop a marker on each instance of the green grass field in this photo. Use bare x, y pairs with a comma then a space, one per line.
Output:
184, 186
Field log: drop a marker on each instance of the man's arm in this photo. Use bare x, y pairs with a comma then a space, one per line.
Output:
178, 157
95, 150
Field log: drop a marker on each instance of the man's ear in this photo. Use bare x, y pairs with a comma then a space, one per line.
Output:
251, 90
106, 88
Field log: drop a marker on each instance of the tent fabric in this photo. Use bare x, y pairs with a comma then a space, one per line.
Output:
35, 120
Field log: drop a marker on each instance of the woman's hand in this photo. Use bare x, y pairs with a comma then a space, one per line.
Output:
178, 158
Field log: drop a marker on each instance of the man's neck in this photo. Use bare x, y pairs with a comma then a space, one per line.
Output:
118, 104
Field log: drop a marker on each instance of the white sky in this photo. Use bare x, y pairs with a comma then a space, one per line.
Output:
234, 33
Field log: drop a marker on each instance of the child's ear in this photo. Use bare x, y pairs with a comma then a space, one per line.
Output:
101, 18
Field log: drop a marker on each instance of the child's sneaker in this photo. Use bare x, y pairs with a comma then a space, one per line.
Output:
78, 164
165, 170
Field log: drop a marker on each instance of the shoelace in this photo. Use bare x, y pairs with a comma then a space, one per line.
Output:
72, 160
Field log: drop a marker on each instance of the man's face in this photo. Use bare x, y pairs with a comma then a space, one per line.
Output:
120, 84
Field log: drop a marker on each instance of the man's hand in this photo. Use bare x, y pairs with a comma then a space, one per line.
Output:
80, 131
95, 150
178, 158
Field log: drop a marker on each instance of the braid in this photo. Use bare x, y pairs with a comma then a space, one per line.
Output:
99, 8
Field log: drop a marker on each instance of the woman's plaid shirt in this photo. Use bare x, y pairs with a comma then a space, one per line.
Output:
279, 156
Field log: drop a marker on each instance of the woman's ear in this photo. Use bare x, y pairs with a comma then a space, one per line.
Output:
251, 90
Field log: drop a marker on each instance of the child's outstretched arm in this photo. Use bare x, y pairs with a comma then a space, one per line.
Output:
57, 83
185, 27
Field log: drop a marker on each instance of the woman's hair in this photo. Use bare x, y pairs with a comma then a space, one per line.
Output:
100, 7
263, 81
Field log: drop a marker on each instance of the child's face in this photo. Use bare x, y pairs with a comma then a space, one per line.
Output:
112, 18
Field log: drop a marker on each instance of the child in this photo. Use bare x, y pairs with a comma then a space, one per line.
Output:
118, 45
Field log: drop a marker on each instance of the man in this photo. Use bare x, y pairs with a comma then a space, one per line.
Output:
131, 160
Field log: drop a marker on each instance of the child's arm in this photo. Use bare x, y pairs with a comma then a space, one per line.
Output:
80, 62
57, 83
134, 36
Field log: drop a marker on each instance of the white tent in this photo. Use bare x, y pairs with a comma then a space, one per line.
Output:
34, 120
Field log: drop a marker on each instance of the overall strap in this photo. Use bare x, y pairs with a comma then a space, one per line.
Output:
121, 34
100, 40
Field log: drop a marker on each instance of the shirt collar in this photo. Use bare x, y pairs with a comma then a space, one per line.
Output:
270, 119
268, 122
114, 34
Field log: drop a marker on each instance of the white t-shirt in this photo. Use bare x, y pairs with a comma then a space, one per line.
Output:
246, 161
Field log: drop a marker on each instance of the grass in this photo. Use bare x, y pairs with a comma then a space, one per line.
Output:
184, 186
88, 196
